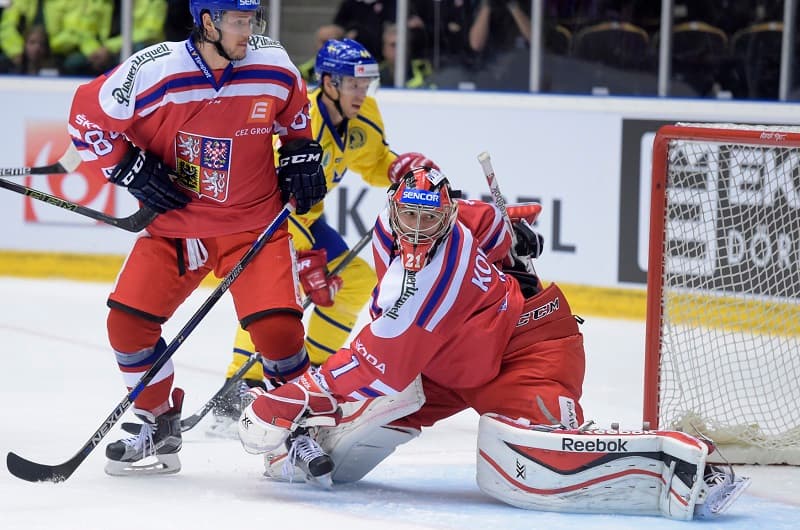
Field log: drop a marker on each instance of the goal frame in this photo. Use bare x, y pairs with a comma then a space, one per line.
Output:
759, 136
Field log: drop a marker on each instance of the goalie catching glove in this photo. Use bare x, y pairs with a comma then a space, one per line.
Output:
300, 174
530, 243
266, 423
149, 180
312, 268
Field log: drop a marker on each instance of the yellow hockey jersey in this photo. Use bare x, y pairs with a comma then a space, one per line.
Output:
362, 149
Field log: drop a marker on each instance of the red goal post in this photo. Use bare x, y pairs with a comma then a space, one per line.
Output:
723, 297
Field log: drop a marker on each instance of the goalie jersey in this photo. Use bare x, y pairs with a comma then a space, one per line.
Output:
213, 127
451, 321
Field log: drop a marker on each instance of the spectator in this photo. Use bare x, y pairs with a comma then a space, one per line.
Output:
102, 42
447, 24
365, 20
500, 26
418, 69
324, 33
178, 21
36, 56
57, 16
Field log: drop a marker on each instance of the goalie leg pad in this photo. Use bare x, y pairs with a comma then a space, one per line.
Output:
597, 471
258, 436
363, 438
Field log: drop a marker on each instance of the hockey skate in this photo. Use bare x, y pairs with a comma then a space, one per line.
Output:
154, 450
303, 460
722, 488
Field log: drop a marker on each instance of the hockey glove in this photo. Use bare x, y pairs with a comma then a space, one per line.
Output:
300, 173
312, 268
272, 416
149, 180
406, 162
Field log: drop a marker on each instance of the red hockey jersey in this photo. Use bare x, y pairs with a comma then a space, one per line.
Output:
451, 321
214, 128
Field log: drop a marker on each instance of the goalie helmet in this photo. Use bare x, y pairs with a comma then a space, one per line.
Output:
216, 8
421, 214
346, 58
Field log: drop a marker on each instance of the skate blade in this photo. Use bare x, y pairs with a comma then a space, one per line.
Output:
324, 482
723, 498
152, 465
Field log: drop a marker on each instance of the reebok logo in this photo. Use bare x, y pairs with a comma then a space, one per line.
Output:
597, 445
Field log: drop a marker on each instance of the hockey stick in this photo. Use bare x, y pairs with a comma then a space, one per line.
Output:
194, 419
36, 472
135, 222
68, 163
491, 179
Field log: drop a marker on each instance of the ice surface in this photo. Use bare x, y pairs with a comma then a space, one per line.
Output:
59, 381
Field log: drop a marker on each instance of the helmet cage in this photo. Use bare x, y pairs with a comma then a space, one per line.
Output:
421, 214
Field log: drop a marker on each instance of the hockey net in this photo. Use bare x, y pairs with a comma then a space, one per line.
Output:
723, 317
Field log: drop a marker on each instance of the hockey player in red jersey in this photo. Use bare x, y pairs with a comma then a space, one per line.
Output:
187, 128
456, 325
445, 309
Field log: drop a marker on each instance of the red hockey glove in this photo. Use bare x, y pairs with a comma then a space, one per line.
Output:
406, 162
312, 267
272, 416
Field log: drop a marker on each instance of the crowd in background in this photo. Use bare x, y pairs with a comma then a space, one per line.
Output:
719, 46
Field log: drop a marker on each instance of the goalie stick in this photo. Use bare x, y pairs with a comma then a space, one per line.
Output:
497, 197
189, 422
68, 163
36, 472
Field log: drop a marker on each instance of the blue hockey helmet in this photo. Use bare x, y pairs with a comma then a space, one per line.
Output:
345, 57
217, 7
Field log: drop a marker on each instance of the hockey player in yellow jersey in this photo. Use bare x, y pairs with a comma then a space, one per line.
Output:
347, 123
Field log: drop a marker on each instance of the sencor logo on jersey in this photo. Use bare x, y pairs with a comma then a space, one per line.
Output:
203, 164
421, 197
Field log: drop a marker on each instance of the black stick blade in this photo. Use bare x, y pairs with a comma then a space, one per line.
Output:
33, 472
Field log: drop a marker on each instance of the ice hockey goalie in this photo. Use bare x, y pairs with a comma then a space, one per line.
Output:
601, 471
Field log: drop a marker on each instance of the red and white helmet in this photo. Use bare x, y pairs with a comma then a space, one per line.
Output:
421, 213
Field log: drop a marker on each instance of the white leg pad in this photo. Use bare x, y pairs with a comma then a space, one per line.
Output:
597, 471
362, 439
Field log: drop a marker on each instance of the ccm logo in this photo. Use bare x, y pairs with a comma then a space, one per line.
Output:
300, 158
538, 313
596, 445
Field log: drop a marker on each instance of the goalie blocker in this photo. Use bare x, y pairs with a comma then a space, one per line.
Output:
599, 471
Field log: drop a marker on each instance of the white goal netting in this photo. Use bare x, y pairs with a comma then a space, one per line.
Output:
730, 292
